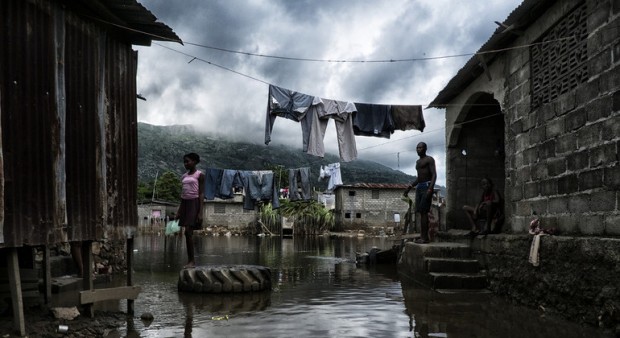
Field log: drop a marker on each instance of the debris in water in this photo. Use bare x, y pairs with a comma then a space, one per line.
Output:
220, 317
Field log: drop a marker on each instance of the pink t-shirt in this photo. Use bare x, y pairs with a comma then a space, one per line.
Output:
191, 186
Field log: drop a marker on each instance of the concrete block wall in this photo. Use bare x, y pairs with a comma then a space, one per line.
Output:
373, 211
562, 157
577, 277
233, 215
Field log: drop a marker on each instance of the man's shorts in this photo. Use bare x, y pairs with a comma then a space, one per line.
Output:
422, 200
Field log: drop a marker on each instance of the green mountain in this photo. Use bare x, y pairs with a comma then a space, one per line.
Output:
161, 148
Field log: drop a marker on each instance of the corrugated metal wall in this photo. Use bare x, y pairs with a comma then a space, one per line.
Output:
121, 137
69, 132
28, 121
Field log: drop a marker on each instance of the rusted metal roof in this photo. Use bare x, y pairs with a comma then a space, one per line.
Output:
142, 25
521, 17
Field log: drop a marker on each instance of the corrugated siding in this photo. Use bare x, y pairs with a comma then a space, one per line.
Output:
82, 79
69, 129
122, 136
28, 111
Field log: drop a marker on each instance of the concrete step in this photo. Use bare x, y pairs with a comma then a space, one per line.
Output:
461, 265
66, 283
451, 280
439, 250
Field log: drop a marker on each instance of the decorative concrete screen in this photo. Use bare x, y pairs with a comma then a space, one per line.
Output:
560, 64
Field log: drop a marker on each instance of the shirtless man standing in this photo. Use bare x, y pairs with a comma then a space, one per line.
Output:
424, 184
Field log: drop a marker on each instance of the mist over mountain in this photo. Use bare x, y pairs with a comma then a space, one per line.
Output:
161, 148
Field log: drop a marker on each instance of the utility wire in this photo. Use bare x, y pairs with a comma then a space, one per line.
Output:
429, 58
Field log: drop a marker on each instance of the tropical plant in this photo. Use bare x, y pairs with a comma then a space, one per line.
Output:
311, 217
270, 217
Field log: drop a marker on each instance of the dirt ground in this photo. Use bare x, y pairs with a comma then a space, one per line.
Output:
40, 322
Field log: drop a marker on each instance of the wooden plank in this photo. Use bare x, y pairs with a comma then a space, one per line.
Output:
16, 292
97, 295
47, 274
1, 181
130, 305
87, 275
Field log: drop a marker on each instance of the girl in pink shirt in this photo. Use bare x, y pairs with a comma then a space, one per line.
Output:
190, 209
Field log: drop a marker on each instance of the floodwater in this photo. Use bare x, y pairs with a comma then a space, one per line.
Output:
318, 291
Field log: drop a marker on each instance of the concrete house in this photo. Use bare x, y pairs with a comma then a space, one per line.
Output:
537, 110
541, 118
229, 213
68, 159
365, 205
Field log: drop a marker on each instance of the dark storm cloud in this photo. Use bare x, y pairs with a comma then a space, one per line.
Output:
212, 99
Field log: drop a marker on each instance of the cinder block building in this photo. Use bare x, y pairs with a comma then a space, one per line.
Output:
537, 111
229, 213
369, 204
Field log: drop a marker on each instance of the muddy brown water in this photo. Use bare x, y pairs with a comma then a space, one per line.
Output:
318, 291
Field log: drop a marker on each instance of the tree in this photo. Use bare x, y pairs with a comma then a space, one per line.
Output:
168, 187
145, 191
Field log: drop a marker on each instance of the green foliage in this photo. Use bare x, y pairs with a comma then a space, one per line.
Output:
145, 191
168, 187
270, 217
311, 217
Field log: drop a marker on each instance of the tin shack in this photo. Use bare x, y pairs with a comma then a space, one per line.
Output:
68, 125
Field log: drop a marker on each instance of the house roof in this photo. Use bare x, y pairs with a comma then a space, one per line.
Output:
522, 16
143, 25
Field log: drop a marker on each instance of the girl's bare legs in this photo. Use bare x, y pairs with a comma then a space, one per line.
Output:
189, 242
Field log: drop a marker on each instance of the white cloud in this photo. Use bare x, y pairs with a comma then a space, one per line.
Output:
220, 101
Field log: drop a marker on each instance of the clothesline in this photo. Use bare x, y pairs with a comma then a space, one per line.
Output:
351, 119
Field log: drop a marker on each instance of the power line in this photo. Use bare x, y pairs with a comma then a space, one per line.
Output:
429, 58
212, 64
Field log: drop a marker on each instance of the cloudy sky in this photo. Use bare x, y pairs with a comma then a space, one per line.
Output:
182, 90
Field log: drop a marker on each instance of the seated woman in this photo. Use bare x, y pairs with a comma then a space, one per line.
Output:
489, 210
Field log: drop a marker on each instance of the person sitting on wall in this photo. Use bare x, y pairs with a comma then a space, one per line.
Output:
489, 210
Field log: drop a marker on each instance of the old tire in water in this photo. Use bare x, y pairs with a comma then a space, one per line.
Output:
225, 278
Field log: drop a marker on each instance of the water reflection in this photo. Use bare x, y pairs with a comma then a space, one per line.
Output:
317, 292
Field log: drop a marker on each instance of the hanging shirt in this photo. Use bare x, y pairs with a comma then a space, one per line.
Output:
285, 103
341, 112
333, 172
373, 120
408, 117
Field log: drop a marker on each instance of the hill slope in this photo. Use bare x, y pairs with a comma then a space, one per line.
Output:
161, 148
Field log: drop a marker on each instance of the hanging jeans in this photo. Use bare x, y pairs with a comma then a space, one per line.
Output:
299, 179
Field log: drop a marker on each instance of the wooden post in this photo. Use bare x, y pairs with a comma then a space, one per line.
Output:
130, 305
16, 292
87, 274
47, 274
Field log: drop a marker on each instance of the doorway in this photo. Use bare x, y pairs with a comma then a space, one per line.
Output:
475, 150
